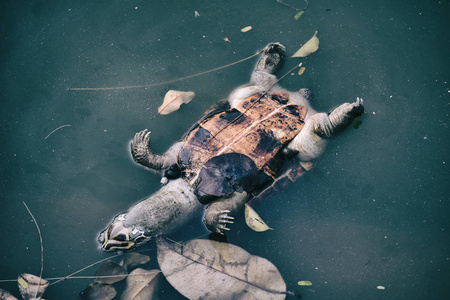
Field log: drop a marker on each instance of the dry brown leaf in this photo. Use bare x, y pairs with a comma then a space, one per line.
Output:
173, 100
206, 269
254, 221
311, 46
29, 284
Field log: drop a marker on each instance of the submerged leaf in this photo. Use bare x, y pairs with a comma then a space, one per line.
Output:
305, 283
299, 14
173, 100
98, 291
206, 269
311, 46
141, 284
110, 272
133, 259
254, 221
245, 29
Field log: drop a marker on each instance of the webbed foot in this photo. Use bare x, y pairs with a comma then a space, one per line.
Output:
140, 147
355, 109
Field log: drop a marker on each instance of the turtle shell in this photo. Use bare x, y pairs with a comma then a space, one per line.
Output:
256, 130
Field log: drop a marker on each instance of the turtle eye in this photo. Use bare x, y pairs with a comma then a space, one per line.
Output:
121, 237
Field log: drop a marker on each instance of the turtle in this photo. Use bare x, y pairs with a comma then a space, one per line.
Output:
255, 140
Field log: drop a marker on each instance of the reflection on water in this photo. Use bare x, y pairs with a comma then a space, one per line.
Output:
372, 212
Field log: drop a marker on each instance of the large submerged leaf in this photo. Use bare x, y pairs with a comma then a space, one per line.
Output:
173, 100
205, 269
141, 285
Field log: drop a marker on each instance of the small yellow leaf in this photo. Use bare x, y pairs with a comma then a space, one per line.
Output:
305, 283
301, 71
254, 221
311, 46
380, 287
298, 15
173, 100
245, 29
22, 282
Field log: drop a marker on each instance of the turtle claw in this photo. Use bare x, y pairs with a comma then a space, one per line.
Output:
140, 146
356, 108
221, 220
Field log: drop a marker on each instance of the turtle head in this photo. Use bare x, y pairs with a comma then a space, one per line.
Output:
119, 237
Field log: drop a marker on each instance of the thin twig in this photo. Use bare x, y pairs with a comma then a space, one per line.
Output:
42, 249
70, 276
290, 6
56, 129
165, 82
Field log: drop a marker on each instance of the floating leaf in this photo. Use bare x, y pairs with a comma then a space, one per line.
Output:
205, 269
305, 283
245, 29
98, 291
28, 286
133, 259
141, 284
254, 221
301, 71
299, 14
173, 100
227, 40
380, 287
110, 272
311, 46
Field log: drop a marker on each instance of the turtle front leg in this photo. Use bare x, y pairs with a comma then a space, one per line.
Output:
312, 139
217, 213
142, 152
340, 118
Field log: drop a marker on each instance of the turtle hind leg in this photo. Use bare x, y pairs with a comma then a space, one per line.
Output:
217, 213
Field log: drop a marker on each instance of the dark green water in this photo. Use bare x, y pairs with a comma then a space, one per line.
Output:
374, 212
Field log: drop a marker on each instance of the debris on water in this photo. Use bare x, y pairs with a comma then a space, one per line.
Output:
196, 14
305, 283
227, 40
247, 28
31, 286
380, 287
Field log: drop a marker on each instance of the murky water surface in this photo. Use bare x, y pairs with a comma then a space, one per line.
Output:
374, 211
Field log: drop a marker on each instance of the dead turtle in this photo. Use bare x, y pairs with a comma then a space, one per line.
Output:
234, 152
